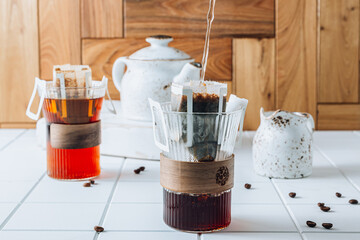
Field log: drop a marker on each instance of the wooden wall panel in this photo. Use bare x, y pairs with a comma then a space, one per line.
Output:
101, 54
101, 18
59, 26
188, 18
339, 51
19, 58
339, 116
254, 76
296, 55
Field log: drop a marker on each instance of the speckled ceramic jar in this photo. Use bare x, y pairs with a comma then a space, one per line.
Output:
282, 146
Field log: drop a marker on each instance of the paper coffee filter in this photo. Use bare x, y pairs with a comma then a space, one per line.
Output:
208, 87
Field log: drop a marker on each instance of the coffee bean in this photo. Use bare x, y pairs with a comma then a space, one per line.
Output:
321, 204
325, 208
98, 229
137, 171
92, 181
327, 225
353, 201
142, 168
87, 184
247, 185
292, 194
311, 224
338, 194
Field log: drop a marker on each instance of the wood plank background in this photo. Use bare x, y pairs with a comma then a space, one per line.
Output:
297, 55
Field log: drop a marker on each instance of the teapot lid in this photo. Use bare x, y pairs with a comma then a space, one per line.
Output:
159, 50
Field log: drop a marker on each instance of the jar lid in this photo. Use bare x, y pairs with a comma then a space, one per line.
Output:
159, 50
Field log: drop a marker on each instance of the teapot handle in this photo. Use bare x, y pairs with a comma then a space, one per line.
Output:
118, 72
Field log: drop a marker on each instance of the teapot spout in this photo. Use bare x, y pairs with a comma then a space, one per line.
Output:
190, 71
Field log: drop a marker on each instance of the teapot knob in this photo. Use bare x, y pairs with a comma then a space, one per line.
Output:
159, 40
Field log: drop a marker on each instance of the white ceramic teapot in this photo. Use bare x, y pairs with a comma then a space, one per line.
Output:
150, 72
282, 146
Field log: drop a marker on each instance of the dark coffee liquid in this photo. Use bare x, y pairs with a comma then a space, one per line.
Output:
198, 213
72, 163
205, 127
202, 103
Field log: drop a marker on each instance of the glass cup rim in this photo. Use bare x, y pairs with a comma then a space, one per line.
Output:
49, 86
199, 113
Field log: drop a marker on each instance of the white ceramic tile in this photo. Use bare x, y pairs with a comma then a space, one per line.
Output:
336, 140
129, 141
55, 191
243, 157
8, 135
5, 210
259, 193
251, 236
331, 236
56, 216
135, 217
26, 141
138, 192
312, 193
345, 218
46, 235
147, 235
246, 173
14, 191
260, 218
22, 165
151, 173
110, 168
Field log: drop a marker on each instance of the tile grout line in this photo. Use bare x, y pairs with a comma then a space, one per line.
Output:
293, 219
334, 165
7, 219
13, 140
107, 206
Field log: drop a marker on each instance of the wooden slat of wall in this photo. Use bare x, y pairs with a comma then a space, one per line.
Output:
296, 55
188, 18
19, 58
59, 26
254, 76
339, 51
101, 18
101, 54
339, 116
18, 125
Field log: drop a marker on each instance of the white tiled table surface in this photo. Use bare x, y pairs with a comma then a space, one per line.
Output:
129, 206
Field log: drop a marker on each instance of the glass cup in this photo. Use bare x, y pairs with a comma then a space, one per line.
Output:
199, 138
73, 128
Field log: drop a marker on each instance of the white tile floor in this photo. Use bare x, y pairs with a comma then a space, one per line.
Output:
129, 206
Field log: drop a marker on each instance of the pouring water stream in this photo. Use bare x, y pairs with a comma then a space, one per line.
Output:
210, 19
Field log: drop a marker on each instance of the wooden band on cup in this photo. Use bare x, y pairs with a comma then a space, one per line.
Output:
197, 177
75, 136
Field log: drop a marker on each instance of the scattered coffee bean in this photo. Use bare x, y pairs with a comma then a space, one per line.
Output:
311, 224
325, 208
87, 184
92, 181
292, 194
247, 185
353, 201
98, 229
338, 194
327, 225
321, 204
142, 168
137, 171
